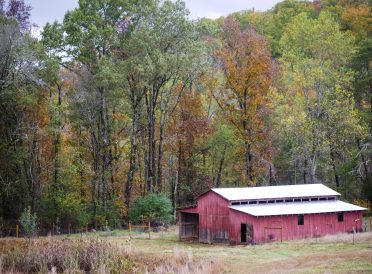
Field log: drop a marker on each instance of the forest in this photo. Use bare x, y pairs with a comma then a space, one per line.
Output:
124, 98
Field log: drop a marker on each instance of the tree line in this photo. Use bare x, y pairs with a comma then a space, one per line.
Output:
127, 98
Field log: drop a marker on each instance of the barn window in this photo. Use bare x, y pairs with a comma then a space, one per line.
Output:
323, 199
331, 198
314, 199
262, 202
289, 200
235, 203
279, 201
305, 199
271, 201
297, 200
244, 203
252, 202
340, 216
300, 220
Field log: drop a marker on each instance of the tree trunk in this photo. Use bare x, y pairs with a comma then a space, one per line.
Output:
104, 138
160, 154
95, 187
150, 165
305, 170
363, 158
132, 159
270, 175
248, 158
333, 159
219, 174
57, 141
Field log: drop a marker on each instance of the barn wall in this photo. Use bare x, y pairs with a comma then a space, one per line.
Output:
315, 225
213, 218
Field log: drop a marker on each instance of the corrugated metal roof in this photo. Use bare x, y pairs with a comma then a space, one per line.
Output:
297, 208
273, 192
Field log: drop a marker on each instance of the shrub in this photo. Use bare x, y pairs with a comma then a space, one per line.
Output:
28, 222
154, 207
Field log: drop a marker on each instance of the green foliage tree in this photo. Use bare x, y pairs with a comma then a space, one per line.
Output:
28, 222
153, 207
315, 58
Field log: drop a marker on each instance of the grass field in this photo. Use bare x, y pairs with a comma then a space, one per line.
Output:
164, 253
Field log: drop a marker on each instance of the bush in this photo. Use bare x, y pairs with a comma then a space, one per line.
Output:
28, 222
151, 208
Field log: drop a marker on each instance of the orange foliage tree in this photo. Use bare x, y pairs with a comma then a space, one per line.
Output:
246, 63
188, 131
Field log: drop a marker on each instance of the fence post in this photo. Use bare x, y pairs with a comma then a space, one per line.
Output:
17, 231
281, 234
149, 231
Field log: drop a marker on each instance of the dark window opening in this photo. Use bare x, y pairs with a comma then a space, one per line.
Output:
244, 203
289, 200
279, 201
340, 216
271, 201
331, 198
262, 202
305, 200
235, 203
300, 220
252, 202
323, 199
297, 200
314, 199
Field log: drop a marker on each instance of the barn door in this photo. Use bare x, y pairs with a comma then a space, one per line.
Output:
249, 233
243, 233
246, 233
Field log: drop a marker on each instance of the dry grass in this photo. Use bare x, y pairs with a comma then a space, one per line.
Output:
183, 262
91, 255
166, 254
330, 254
65, 255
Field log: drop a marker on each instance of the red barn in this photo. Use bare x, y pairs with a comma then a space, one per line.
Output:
260, 214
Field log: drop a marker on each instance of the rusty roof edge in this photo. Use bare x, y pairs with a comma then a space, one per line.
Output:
186, 207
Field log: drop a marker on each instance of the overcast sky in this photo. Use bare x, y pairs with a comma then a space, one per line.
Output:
50, 10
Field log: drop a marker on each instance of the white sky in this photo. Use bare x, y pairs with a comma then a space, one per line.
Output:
44, 11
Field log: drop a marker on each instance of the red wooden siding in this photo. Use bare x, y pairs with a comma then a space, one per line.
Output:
213, 218
315, 225
219, 223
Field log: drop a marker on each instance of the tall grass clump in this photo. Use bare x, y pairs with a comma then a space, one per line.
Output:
183, 262
66, 255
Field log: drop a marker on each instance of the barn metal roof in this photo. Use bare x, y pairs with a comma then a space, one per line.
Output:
297, 208
273, 192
